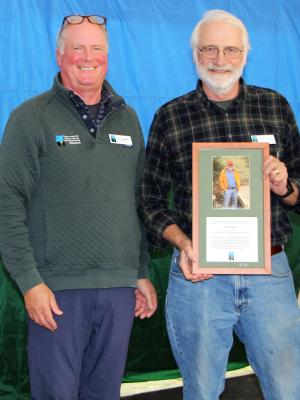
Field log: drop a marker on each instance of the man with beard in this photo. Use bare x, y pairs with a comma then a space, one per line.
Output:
229, 181
203, 310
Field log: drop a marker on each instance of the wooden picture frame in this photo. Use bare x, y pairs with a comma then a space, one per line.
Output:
231, 236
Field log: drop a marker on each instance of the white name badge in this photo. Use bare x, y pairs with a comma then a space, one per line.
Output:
263, 139
120, 139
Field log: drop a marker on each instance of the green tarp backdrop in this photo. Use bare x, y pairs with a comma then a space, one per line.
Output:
150, 62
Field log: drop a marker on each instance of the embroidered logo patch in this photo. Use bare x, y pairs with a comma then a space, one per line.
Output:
62, 140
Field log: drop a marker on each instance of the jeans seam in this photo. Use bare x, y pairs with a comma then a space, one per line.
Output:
176, 337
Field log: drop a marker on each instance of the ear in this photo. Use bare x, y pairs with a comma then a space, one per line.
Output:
245, 59
59, 56
195, 55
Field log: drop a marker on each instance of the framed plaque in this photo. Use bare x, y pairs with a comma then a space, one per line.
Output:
231, 208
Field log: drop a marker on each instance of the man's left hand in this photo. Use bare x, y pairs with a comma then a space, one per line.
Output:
276, 171
146, 299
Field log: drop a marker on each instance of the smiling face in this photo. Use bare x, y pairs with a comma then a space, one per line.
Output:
230, 165
220, 75
83, 60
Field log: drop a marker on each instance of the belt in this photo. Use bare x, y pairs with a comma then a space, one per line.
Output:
276, 249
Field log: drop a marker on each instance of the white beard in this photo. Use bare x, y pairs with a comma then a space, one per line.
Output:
221, 84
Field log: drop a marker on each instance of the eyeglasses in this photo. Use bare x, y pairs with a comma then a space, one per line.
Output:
213, 52
78, 19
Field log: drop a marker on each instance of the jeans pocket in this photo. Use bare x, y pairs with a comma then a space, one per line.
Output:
280, 266
175, 270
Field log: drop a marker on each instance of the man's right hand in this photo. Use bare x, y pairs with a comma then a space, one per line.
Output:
186, 260
40, 303
187, 257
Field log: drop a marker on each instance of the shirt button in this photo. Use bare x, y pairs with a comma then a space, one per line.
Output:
84, 116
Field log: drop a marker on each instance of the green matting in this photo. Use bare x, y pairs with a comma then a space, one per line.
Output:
149, 357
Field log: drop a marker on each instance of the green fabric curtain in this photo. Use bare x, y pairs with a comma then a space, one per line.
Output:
149, 356
13, 358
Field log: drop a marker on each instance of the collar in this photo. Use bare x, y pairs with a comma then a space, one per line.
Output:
107, 91
106, 95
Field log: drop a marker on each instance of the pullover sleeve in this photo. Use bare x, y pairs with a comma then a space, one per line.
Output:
144, 256
19, 174
156, 184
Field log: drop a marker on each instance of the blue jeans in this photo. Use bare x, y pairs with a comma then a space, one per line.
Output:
261, 310
230, 198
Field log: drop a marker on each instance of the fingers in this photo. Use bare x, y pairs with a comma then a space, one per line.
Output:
152, 302
146, 299
192, 276
142, 308
277, 173
274, 169
269, 165
151, 299
43, 317
49, 321
186, 260
140, 303
54, 306
202, 277
150, 306
46, 319
186, 252
40, 304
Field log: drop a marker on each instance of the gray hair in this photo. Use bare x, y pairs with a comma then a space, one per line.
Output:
60, 40
224, 16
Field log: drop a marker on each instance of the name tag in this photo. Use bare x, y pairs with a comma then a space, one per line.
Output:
120, 139
263, 139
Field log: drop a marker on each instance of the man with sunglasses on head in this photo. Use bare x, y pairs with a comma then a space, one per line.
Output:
202, 310
70, 236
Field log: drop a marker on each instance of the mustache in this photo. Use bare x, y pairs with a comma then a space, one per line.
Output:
212, 67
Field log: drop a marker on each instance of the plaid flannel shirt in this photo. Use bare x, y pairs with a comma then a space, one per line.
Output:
194, 118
